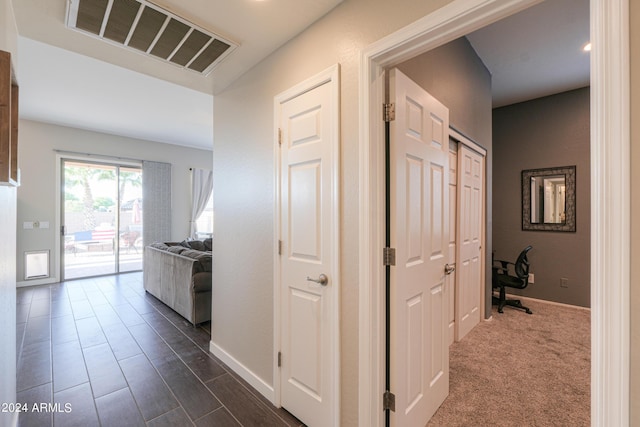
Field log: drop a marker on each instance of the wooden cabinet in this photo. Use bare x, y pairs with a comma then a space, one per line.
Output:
8, 121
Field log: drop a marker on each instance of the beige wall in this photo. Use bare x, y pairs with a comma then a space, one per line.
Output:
8, 36
242, 323
37, 196
635, 212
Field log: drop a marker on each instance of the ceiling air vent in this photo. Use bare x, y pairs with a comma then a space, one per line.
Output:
151, 30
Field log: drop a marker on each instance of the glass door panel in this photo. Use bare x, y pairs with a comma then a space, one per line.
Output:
130, 236
101, 219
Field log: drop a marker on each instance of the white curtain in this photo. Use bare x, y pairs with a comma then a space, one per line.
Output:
201, 187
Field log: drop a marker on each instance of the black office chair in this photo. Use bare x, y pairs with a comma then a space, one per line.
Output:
515, 277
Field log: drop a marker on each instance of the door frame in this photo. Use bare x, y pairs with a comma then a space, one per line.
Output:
610, 180
330, 76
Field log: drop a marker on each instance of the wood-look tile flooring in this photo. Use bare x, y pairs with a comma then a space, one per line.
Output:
102, 352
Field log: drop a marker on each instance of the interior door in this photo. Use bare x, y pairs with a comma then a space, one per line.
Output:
469, 286
308, 260
419, 228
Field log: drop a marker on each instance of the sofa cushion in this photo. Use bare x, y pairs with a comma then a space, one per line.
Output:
208, 244
177, 249
159, 245
197, 245
204, 259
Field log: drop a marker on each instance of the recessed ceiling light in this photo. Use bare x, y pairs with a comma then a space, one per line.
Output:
587, 47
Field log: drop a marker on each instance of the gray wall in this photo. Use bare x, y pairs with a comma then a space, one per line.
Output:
457, 77
37, 195
546, 132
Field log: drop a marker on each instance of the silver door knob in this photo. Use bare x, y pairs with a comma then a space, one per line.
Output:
448, 269
322, 279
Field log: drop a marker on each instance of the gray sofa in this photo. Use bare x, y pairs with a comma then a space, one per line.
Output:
179, 275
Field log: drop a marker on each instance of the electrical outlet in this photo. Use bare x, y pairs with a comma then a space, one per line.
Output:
564, 282
531, 278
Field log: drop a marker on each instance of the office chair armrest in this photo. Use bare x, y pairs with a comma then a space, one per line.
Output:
500, 265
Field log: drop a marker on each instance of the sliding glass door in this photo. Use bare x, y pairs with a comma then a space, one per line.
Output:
101, 218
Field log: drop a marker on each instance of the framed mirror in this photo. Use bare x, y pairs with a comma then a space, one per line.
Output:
549, 199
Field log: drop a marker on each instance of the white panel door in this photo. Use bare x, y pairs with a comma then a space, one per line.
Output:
469, 260
308, 232
450, 287
419, 221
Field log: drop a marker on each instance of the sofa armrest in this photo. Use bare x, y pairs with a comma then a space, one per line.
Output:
202, 282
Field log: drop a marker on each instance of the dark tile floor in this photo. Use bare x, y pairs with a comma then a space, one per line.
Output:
102, 352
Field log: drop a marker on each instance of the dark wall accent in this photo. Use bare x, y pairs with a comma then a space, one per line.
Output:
455, 75
547, 132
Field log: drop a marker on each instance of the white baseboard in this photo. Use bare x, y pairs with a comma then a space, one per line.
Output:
513, 296
36, 282
245, 373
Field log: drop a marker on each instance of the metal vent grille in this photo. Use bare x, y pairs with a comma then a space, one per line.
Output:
151, 30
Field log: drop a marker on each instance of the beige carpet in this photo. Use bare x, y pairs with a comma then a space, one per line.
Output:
521, 370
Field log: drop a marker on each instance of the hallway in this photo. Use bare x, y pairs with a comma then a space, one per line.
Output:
102, 352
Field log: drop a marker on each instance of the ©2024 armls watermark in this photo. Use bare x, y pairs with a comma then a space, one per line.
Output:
57, 407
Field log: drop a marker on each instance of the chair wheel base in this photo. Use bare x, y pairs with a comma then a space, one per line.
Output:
515, 303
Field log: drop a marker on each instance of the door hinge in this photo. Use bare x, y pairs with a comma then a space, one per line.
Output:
389, 401
389, 256
279, 359
279, 247
279, 136
389, 112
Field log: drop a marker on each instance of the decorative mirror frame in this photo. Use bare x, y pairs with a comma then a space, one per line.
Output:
570, 204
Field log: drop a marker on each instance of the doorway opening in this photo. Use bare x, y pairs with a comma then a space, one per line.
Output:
101, 218
610, 174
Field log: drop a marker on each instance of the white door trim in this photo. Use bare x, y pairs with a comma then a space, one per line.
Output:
332, 76
610, 180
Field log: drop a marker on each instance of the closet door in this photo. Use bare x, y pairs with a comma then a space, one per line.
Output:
469, 289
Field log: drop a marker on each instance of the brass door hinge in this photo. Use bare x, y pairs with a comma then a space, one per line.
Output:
389, 112
389, 256
389, 401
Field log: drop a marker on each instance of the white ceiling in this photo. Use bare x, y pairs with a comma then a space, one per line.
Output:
62, 87
536, 52
71, 79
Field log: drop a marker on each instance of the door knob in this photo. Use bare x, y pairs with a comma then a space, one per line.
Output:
448, 269
322, 279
